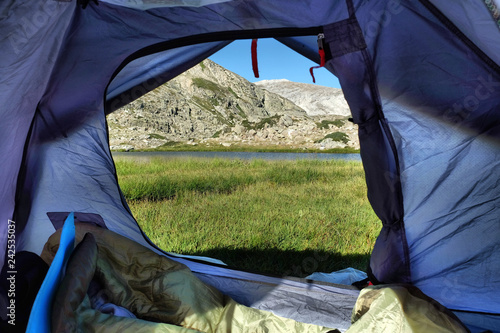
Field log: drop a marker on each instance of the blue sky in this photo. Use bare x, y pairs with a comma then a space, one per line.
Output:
276, 61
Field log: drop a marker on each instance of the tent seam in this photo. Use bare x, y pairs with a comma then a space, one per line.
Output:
21, 177
385, 128
457, 32
383, 123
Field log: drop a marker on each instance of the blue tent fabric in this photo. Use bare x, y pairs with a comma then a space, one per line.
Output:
422, 79
461, 158
443, 96
29, 49
147, 73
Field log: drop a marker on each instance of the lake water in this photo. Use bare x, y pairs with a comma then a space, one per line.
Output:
240, 155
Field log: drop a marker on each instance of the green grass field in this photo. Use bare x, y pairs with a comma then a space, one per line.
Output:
275, 217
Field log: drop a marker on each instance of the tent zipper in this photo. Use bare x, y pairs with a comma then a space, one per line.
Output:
322, 56
218, 36
213, 37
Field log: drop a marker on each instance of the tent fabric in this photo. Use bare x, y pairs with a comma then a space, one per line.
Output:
347, 276
461, 157
493, 6
422, 79
70, 116
145, 5
162, 293
446, 99
147, 73
475, 21
29, 50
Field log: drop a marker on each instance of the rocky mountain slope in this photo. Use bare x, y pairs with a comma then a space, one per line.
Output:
314, 99
210, 105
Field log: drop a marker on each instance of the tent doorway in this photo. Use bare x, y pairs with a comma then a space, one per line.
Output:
276, 217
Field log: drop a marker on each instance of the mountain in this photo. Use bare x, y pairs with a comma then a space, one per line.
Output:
210, 105
315, 100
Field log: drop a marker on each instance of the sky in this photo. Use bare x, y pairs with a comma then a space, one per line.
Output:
276, 61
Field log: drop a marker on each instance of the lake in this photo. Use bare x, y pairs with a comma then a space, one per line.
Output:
239, 155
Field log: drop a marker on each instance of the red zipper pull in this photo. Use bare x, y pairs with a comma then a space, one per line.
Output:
255, 65
321, 48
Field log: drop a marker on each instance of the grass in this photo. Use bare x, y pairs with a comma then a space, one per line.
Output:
203, 103
336, 136
270, 121
156, 136
208, 85
325, 124
232, 92
179, 146
275, 217
222, 131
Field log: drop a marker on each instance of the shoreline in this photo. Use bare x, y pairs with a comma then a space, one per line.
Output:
182, 147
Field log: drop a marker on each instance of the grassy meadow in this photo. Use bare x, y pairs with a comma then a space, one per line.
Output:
286, 218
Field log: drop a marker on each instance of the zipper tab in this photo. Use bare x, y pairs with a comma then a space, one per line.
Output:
321, 41
322, 57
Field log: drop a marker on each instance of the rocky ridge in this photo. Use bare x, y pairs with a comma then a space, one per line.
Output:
314, 99
209, 105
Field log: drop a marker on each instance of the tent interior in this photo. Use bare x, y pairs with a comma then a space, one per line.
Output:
422, 80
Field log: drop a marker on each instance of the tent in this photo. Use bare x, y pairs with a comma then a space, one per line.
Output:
421, 77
